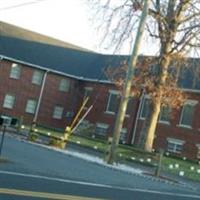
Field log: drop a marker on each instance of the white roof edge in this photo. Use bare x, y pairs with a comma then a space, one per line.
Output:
72, 76
55, 71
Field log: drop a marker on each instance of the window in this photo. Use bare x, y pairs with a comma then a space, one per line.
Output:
174, 145
88, 91
123, 135
9, 101
37, 77
64, 85
15, 71
129, 106
145, 108
113, 102
165, 114
187, 113
58, 111
101, 129
30, 106
198, 151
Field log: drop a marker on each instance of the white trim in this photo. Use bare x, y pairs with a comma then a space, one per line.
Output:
191, 102
55, 71
109, 112
114, 92
198, 146
15, 66
174, 145
40, 97
111, 92
188, 102
142, 106
6, 102
73, 76
58, 109
137, 116
102, 125
88, 88
177, 141
184, 126
163, 122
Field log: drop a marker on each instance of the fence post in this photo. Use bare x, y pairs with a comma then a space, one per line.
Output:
110, 139
21, 119
159, 166
2, 138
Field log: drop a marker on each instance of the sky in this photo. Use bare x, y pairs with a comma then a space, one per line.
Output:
67, 20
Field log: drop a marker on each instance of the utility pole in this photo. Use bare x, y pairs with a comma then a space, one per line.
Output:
110, 158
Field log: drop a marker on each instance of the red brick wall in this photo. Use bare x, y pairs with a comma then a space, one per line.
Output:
191, 136
21, 88
52, 96
71, 101
99, 97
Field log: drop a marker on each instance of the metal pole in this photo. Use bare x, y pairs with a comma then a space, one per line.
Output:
40, 97
2, 138
128, 83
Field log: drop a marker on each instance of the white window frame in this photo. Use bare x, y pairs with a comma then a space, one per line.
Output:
9, 101
57, 112
163, 121
198, 151
175, 142
15, 71
37, 77
86, 90
192, 103
31, 106
101, 126
123, 135
146, 97
64, 85
111, 92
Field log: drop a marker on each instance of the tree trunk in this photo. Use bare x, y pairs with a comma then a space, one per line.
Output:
152, 125
156, 103
127, 88
143, 133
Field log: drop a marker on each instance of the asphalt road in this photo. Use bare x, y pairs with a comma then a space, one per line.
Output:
34, 172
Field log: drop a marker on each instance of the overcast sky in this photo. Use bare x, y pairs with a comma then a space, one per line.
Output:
67, 20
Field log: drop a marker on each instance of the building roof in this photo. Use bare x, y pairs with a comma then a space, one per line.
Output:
24, 34
50, 54
77, 62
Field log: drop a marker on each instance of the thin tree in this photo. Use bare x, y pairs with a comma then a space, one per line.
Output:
173, 24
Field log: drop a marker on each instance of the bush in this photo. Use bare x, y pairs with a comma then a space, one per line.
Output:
33, 137
57, 143
85, 129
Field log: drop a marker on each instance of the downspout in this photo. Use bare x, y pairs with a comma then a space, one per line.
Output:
40, 98
137, 116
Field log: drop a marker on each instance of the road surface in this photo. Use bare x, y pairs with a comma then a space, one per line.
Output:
34, 172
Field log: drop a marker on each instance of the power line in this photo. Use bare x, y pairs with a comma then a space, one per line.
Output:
21, 5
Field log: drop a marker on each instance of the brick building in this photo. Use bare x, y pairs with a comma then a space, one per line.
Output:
45, 80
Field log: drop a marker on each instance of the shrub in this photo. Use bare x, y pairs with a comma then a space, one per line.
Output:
33, 137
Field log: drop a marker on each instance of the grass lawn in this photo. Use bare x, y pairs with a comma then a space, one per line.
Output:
178, 166
172, 165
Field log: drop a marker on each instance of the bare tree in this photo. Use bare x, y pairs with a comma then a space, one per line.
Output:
173, 24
